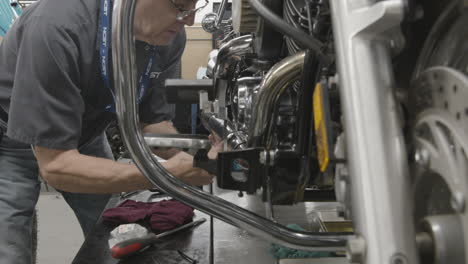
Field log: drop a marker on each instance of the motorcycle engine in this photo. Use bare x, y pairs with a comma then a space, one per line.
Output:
262, 103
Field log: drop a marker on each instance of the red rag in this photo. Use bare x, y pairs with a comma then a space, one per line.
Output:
159, 216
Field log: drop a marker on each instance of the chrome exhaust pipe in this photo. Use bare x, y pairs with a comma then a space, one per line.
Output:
125, 87
228, 54
232, 50
277, 80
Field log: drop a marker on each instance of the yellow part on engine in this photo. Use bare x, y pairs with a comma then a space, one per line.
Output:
320, 128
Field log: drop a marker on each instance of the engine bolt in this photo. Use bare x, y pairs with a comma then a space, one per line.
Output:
263, 157
270, 155
398, 258
458, 202
421, 156
356, 249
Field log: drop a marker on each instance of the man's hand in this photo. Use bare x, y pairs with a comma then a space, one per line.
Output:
181, 166
216, 146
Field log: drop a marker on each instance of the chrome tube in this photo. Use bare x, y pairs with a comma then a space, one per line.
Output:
273, 85
221, 11
232, 50
125, 87
211, 63
183, 141
230, 53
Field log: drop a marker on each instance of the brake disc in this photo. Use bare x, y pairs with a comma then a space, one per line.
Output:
440, 140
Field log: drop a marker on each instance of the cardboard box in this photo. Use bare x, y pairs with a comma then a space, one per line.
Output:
199, 45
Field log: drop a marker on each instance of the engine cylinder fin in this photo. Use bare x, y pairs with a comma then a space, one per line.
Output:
244, 18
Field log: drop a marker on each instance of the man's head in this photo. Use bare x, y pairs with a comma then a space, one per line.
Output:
158, 21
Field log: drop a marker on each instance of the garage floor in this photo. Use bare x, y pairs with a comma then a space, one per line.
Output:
60, 235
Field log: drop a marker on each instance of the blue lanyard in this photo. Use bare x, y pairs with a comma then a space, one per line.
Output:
105, 40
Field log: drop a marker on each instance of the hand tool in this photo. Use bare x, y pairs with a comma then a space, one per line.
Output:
129, 247
125, 195
187, 258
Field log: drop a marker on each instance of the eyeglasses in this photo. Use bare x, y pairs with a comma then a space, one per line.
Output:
184, 13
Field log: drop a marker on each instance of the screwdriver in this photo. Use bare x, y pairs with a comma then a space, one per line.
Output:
134, 245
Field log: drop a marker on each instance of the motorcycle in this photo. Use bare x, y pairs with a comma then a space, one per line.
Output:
358, 101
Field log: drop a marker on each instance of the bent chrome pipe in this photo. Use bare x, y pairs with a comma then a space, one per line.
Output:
233, 50
280, 76
228, 55
125, 87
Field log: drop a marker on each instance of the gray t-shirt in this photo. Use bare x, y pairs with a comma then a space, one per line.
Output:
51, 85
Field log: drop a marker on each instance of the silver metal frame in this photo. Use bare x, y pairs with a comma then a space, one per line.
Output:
363, 31
123, 52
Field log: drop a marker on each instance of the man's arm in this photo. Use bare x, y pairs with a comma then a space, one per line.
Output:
156, 108
70, 171
164, 127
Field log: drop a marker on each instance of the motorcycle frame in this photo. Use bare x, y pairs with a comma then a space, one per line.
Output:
365, 33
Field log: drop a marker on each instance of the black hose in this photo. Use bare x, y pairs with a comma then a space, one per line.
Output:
281, 26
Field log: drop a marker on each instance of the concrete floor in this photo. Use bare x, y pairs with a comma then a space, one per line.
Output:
60, 235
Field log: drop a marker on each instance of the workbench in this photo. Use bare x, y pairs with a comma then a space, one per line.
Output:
211, 242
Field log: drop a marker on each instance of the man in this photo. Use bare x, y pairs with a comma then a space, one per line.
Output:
56, 98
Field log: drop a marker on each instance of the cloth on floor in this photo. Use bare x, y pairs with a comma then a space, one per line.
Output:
280, 252
158, 216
